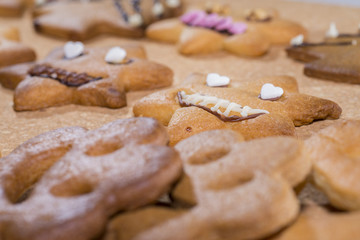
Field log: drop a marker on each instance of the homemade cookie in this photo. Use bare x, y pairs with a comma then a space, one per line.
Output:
125, 18
240, 193
334, 59
196, 107
64, 184
127, 225
11, 8
316, 223
335, 153
86, 76
274, 28
11, 51
200, 32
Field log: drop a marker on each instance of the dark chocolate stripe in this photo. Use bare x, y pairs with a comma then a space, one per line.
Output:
70, 79
305, 44
345, 35
121, 10
233, 118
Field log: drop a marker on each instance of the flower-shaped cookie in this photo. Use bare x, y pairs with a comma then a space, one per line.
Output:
253, 108
126, 18
198, 32
66, 183
243, 190
86, 76
334, 59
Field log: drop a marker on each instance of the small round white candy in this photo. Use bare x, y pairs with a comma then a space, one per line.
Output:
115, 55
73, 49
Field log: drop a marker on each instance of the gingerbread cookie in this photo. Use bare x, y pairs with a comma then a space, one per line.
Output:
335, 154
11, 8
125, 18
200, 32
64, 184
11, 51
76, 74
259, 108
334, 59
316, 223
274, 28
240, 193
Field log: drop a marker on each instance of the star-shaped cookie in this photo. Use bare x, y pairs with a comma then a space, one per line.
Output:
87, 79
199, 32
126, 18
11, 8
12, 51
195, 107
335, 59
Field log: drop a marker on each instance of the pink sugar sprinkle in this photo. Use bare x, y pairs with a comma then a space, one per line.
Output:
224, 24
212, 20
237, 28
187, 18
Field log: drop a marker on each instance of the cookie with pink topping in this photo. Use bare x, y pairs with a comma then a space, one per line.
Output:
200, 32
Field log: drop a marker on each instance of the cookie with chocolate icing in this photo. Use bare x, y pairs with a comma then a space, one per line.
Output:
12, 51
274, 28
335, 59
201, 32
11, 8
125, 18
76, 74
254, 109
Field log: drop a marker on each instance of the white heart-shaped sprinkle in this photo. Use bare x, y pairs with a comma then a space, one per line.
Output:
332, 32
269, 91
135, 20
115, 55
158, 9
173, 3
73, 49
297, 41
215, 80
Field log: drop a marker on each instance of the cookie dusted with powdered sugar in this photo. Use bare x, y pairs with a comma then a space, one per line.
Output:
66, 183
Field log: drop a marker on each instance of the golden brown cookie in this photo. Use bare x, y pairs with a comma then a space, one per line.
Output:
239, 107
335, 153
92, 77
243, 190
11, 8
199, 32
274, 28
11, 51
66, 183
127, 18
333, 59
129, 224
316, 223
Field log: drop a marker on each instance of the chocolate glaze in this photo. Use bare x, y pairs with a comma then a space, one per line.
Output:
305, 44
233, 118
70, 79
252, 19
344, 35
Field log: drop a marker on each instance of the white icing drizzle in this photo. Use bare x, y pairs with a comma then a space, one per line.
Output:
203, 100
